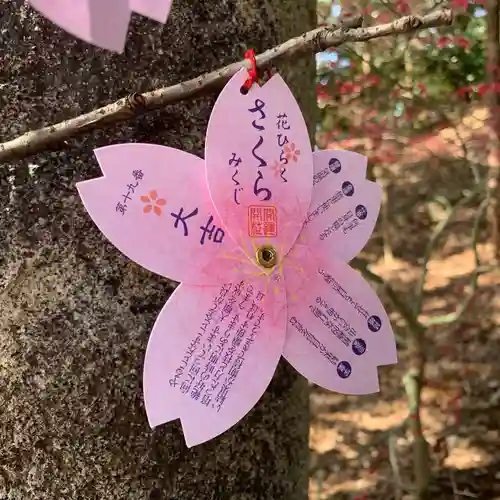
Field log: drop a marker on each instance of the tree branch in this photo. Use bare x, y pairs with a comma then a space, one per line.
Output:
124, 109
473, 282
431, 246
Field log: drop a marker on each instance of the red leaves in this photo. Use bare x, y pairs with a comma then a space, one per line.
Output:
443, 42
372, 80
464, 4
349, 88
422, 89
367, 10
395, 92
355, 87
465, 90
385, 17
321, 91
490, 87
402, 7
457, 40
491, 68
482, 89
459, 4
462, 42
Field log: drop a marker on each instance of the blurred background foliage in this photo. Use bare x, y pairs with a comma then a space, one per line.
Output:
424, 109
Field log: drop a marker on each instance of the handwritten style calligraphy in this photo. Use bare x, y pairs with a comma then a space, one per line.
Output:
235, 160
217, 237
258, 191
282, 122
209, 230
262, 162
282, 139
259, 108
179, 218
263, 193
121, 206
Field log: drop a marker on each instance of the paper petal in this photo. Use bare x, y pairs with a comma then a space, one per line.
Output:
334, 161
259, 163
154, 9
103, 23
344, 207
211, 355
338, 332
153, 204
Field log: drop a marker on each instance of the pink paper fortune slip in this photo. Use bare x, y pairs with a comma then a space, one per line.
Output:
257, 282
103, 23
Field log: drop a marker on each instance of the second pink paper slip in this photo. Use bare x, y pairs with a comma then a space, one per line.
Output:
103, 23
259, 235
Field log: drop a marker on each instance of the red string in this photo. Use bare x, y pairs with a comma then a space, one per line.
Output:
252, 72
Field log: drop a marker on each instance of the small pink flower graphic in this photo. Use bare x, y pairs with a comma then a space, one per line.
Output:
153, 203
276, 167
291, 153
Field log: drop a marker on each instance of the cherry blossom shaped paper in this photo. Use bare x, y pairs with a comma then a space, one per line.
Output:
103, 23
262, 158
337, 313
157, 10
153, 204
257, 282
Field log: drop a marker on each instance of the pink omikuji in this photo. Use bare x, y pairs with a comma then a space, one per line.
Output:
259, 234
103, 23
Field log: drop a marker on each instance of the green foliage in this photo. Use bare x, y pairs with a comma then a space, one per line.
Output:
411, 82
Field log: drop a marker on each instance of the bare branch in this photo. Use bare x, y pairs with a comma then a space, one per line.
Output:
319, 39
393, 460
413, 383
436, 234
473, 283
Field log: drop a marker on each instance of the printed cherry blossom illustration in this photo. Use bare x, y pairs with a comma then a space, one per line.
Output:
153, 203
103, 23
262, 259
291, 152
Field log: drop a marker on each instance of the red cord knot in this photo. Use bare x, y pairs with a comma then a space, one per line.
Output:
252, 72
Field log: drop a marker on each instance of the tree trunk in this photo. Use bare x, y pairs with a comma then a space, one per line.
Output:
76, 314
493, 69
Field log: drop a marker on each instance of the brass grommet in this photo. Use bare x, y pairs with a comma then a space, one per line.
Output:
266, 256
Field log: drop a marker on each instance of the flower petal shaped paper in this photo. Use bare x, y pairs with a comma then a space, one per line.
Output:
261, 255
153, 205
259, 163
103, 23
154, 9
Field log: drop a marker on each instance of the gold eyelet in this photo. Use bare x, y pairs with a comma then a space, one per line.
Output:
266, 256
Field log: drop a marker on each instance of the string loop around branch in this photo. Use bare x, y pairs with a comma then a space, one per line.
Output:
252, 72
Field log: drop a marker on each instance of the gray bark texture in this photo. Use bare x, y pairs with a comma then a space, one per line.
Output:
76, 314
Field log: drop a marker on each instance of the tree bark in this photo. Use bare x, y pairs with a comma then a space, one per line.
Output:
76, 314
493, 70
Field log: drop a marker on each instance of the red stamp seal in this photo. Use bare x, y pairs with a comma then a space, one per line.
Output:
262, 221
